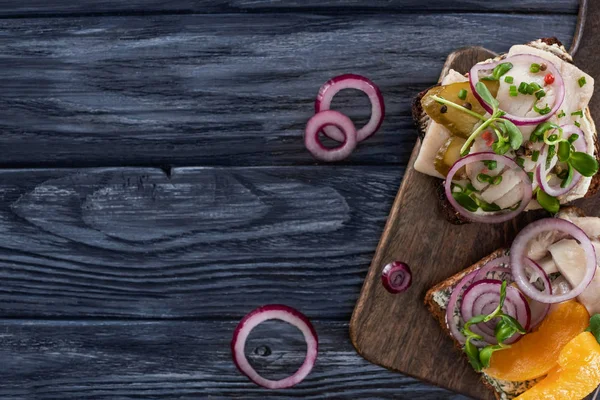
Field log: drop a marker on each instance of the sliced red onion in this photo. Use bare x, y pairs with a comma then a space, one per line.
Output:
519, 249
451, 308
396, 277
539, 310
483, 297
542, 172
314, 145
489, 217
352, 81
516, 59
265, 313
496, 265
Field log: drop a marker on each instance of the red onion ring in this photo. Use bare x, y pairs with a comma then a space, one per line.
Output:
490, 217
524, 58
542, 173
494, 265
352, 81
518, 253
265, 313
314, 145
396, 277
483, 296
451, 308
539, 310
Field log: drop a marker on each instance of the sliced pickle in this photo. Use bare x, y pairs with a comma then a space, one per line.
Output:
458, 122
448, 154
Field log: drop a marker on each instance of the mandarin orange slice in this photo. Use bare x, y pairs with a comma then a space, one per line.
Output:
577, 374
537, 352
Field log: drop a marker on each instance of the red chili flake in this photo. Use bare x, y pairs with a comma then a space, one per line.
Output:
549, 79
487, 136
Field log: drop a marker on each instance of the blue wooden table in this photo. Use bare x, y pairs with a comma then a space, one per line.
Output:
155, 188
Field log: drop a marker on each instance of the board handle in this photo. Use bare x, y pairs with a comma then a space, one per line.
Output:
585, 47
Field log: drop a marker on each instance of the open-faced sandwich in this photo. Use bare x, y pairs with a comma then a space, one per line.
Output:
514, 134
527, 317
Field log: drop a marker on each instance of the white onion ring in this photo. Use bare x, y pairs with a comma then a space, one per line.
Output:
542, 173
314, 145
490, 217
518, 253
352, 81
283, 313
529, 59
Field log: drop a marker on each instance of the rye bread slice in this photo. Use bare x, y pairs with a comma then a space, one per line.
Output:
422, 121
435, 294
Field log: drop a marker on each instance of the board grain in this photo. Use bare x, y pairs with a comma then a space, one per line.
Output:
397, 331
160, 360
227, 90
203, 242
42, 8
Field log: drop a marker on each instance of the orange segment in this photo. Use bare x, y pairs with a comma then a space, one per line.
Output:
577, 375
537, 352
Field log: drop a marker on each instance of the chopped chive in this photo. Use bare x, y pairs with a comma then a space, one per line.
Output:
523, 88
471, 188
573, 138
577, 124
551, 154
508, 79
530, 89
542, 111
561, 114
512, 91
483, 178
578, 112
539, 94
535, 155
530, 175
534, 86
490, 164
462, 94
520, 161
496, 180
581, 81
534, 68
553, 137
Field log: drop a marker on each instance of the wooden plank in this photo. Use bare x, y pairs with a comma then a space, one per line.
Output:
204, 242
58, 7
184, 360
221, 89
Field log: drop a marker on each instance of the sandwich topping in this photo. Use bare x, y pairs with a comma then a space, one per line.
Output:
517, 315
529, 107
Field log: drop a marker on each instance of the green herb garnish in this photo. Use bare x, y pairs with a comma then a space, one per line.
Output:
548, 203
534, 68
508, 79
505, 329
465, 201
584, 163
578, 113
581, 81
535, 156
512, 91
542, 111
594, 326
561, 114
462, 94
490, 164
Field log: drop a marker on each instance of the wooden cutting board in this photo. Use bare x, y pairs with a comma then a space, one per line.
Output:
397, 331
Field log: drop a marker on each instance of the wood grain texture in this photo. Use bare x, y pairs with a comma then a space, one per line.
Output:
221, 89
206, 242
68, 360
58, 7
435, 250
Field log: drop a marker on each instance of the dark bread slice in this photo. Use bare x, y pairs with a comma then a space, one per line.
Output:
440, 313
422, 120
